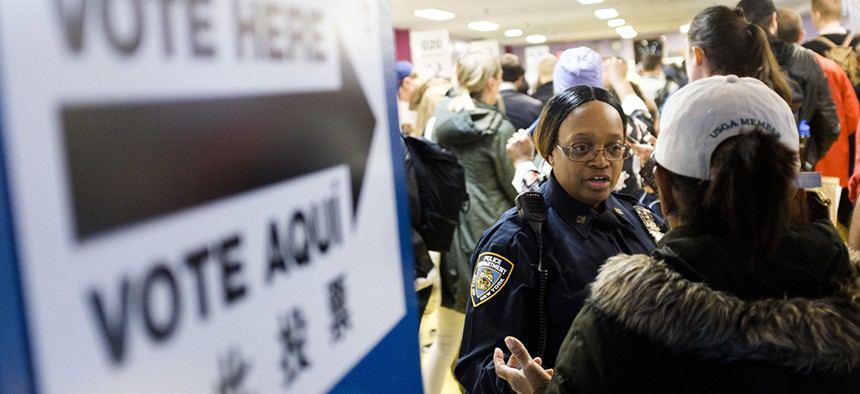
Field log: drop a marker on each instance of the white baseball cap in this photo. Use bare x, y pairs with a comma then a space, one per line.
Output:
704, 113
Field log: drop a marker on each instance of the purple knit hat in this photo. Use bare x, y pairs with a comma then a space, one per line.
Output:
578, 66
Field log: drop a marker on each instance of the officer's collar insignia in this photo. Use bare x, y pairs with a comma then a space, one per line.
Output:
618, 211
491, 273
648, 220
580, 219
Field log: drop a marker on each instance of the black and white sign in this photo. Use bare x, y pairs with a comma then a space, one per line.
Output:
202, 192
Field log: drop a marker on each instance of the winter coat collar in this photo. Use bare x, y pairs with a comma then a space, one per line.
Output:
646, 296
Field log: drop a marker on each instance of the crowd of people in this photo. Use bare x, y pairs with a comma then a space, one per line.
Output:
649, 235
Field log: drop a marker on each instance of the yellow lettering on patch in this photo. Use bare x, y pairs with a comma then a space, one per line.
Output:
491, 274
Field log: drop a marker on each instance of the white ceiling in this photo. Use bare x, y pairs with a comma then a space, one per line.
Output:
558, 20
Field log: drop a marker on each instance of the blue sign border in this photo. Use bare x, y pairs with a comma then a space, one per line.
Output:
16, 368
394, 365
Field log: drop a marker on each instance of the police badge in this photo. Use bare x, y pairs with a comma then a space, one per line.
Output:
650, 224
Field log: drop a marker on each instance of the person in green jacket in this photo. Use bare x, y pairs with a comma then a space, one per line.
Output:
473, 127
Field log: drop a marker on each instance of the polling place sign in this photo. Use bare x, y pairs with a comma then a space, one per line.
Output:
201, 196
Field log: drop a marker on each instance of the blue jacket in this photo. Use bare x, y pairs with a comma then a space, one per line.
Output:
504, 289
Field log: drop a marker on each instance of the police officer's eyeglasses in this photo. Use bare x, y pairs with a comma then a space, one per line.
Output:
586, 152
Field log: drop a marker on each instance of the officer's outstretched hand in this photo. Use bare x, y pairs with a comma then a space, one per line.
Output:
522, 372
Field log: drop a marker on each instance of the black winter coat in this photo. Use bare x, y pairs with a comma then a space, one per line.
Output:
684, 321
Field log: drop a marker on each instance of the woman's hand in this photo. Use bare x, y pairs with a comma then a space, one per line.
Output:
616, 70
615, 75
644, 151
520, 147
522, 372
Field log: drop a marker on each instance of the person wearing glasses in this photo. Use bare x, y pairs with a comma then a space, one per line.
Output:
744, 294
581, 133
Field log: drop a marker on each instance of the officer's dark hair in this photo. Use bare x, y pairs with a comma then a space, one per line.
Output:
749, 197
511, 67
734, 45
561, 105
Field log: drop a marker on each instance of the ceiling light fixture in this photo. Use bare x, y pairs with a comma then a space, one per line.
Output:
590, 1
434, 14
536, 39
513, 33
626, 31
606, 13
483, 26
684, 28
616, 22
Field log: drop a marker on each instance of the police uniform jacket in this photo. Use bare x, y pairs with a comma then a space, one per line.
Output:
505, 282
687, 319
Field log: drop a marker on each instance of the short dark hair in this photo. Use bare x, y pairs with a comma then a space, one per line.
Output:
758, 11
651, 61
561, 105
511, 67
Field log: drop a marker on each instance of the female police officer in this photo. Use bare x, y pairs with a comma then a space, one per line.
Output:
582, 135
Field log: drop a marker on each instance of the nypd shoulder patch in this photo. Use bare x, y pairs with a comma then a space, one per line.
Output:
491, 273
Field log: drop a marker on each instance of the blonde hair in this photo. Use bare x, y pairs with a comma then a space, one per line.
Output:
829, 9
474, 69
546, 67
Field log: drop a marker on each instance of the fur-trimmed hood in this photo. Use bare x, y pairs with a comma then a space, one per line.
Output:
468, 126
646, 296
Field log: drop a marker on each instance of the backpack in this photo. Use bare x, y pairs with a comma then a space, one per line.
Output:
442, 192
845, 56
799, 100
802, 107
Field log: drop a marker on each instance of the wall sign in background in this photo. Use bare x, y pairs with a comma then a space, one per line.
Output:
200, 196
432, 53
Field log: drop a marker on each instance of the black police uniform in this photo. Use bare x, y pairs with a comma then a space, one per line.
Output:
505, 284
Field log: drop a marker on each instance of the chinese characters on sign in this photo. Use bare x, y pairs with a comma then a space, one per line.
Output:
337, 305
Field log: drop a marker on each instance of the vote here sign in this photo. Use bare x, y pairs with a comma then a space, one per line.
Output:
201, 193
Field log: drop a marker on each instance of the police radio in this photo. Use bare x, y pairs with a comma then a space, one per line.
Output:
531, 208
